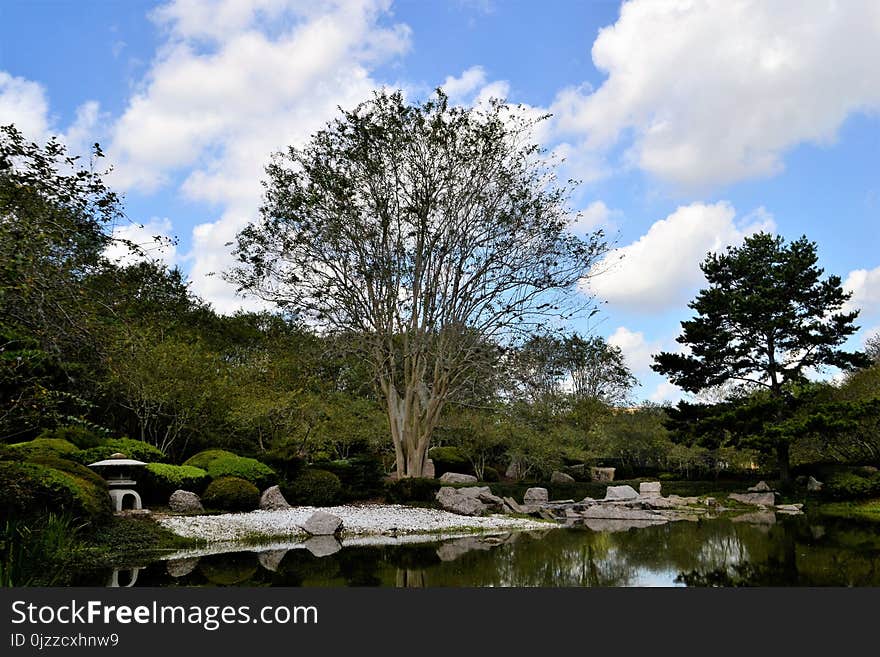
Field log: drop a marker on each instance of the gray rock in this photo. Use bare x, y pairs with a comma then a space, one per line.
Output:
183, 501
610, 526
513, 504
760, 487
271, 559
602, 474
181, 567
649, 489
814, 485
463, 501
323, 546
607, 512
429, 472
452, 550
790, 509
757, 518
561, 478
321, 523
536, 495
457, 478
758, 499
620, 493
273, 500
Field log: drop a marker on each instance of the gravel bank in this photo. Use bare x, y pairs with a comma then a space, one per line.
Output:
373, 519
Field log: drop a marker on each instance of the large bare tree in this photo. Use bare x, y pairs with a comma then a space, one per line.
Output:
426, 232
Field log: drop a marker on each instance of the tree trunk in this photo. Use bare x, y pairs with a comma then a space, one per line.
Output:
782, 455
412, 424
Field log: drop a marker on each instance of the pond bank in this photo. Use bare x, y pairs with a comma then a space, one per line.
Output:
363, 520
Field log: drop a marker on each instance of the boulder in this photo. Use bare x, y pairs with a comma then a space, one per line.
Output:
757, 518
513, 505
814, 485
181, 567
760, 487
273, 500
452, 550
536, 496
321, 523
606, 512
457, 478
463, 501
183, 501
429, 471
758, 499
602, 474
271, 559
323, 546
620, 493
561, 478
649, 489
790, 509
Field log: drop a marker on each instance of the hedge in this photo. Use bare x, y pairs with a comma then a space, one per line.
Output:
133, 449
313, 487
220, 463
45, 447
162, 479
32, 489
231, 494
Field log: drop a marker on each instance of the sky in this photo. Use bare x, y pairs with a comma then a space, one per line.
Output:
690, 123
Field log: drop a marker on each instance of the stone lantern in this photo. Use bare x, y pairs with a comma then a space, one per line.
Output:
118, 470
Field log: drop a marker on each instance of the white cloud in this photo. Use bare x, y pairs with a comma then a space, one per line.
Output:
23, 102
865, 287
662, 268
462, 87
637, 351
666, 392
233, 83
154, 238
595, 215
713, 91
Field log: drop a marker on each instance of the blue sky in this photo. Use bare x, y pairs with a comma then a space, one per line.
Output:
691, 124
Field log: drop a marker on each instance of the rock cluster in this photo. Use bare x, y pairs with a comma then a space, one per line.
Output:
470, 500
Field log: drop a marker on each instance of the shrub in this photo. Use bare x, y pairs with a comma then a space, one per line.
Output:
162, 479
220, 463
491, 474
32, 489
231, 494
361, 476
313, 487
70, 467
80, 436
45, 447
411, 489
850, 486
449, 459
133, 449
285, 461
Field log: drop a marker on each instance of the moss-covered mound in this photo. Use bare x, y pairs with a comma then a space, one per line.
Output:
231, 494
45, 447
159, 480
313, 487
133, 449
33, 488
220, 463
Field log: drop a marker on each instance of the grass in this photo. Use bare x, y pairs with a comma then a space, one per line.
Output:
863, 510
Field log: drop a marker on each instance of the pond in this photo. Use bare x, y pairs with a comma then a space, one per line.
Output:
783, 551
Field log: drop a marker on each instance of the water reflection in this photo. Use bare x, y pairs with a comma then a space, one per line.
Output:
743, 551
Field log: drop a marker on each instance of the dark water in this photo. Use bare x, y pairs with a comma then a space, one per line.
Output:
790, 552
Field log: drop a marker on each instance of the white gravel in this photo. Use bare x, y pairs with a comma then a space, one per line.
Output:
362, 520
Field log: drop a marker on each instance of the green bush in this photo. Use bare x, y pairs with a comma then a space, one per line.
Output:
45, 447
33, 489
220, 463
133, 449
852, 486
313, 487
361, 476
285, 461
449, 459
80, 436
411, 489
491, 474
231, 494
162, 479
70, 467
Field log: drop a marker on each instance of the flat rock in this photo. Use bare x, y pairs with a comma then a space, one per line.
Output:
760, 487
561, 478
536, 495
323, 546
602, 474
463, 501
184, 501
273, 500
649, 489
757, 499
321, 523
620, 493
452, 550
457, 478
513, 504
757, 518
610, 525
790, 509
605, 512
